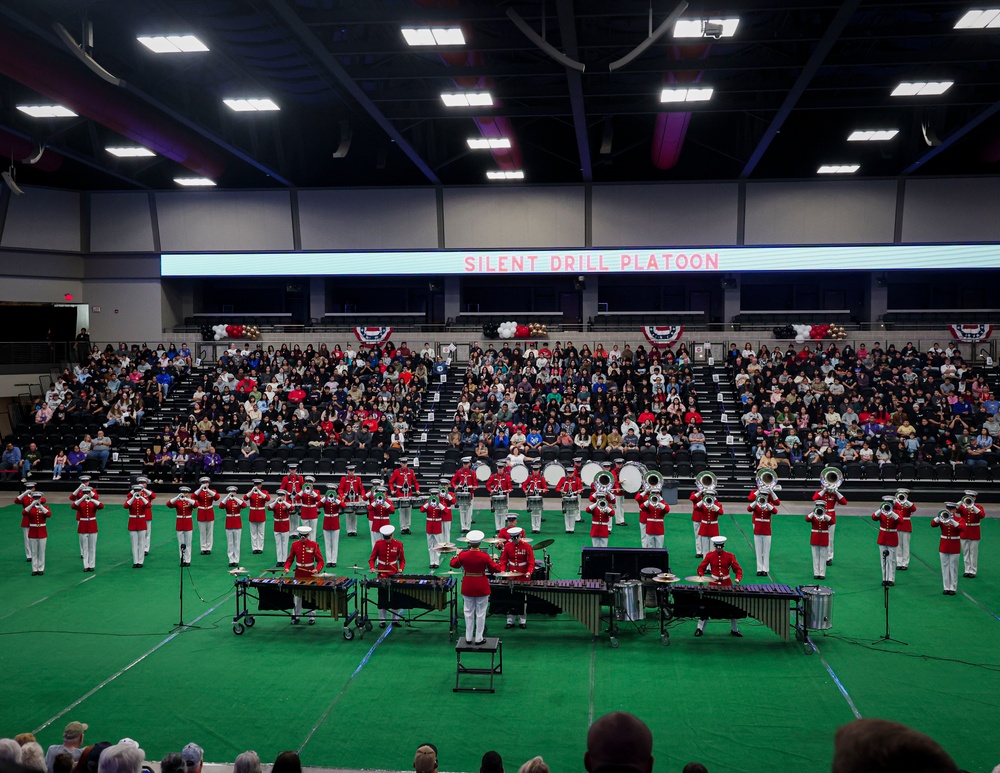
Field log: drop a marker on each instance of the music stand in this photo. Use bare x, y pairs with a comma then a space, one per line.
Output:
885, 589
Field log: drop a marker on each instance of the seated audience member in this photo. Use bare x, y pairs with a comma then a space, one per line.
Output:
287, 762
426, 759
72, 743
125, 757
881, 746
616, 741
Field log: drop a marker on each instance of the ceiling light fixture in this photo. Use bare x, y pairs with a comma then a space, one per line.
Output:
433, 36
172, 44
191, 182
500, 175
922, 88
838, 169
706, 28
872, 135
130, 152
467, 99
47, 111
495, 143
979, 20
686, 95
251, 105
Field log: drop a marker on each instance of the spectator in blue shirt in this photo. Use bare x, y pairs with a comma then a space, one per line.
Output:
10, 460
165, 380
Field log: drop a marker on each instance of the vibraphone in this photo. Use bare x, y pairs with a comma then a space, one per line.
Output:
425, 592
582, 599
773, 605
336, 595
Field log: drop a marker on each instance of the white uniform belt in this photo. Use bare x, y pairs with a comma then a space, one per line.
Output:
88, 519
946, 537
883, 528
820, 531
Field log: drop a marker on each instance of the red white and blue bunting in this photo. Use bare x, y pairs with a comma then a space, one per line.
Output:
373, 336
666, 335
970, 334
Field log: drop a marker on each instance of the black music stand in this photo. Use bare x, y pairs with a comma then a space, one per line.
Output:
180, 624
885, 589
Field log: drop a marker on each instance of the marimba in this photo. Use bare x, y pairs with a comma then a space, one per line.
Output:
335, 595
581, 599
426, 592
773, 605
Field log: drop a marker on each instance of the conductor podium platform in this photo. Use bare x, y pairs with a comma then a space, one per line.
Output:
491, 646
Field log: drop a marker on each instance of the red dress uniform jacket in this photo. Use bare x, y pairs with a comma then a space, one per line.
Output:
820, 533
500, 483
904, 512
535, 485
282, 510
464, 478
570, 484
387, 557
309, 500
772, 498
233, 506
378, 514
205, 499
888, 525
709, 520
331, 513
86, 515
476, 564
185, 509
696, 510
448, 501
600, 517
256, 499
654, 517
403, 483
351, 489
292, 483
24, 500
761, 519
136, 506
81, 490
308, 560
950, 535
830, 501
971, 516
518, 557
435, 515
36, 515
720, 563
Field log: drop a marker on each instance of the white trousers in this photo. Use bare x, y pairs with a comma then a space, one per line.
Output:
206, 534
446, 531
256, 536
27, 544
704, 545
233, 539
88, 549
281, 546
297, 608
762, 548
351, 520
435, 556
619, 510
734, 624
535, 511
571, 512
331, 541
138, 554
829, 550
38, 554
949, 570
819, 561
405, 518
652, 540
697, 543
970, 556
499, 506
599, 542
642, 531
376, 536
465, 513
903, 551
184, 541
475, 617
146, 536
888, 564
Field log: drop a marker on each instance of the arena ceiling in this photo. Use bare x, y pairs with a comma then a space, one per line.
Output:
361, 107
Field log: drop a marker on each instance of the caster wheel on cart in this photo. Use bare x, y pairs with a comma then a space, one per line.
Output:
808, 648
665, 640
369, 626
615, 644
238, 629
250, 621
348, 634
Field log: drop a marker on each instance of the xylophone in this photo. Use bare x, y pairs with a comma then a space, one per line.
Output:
426, 592
274, 594
772, 605
581, 599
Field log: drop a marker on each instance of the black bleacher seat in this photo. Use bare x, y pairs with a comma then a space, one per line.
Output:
962, 472
448, 467
907, 471
330, 452
800, 471
307, 467
372, 466
228, 465
243, 465
853, 471
682, 470
313, 453
925, 471
632, 455
599, 456
666, 469
259, 466
943, 471
889, 472
981, 472
324, 466
339, 466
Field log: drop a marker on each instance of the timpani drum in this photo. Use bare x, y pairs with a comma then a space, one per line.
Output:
631, 476
588, 471
518, 474
553, 472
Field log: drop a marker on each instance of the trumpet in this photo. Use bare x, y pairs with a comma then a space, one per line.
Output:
819, 511
604, 481
434, 499
706, 481
654, 500
653, 480
708, 501
886, 508
761, 500
967, 501
379, 497
944, 516
831, 478
902, 496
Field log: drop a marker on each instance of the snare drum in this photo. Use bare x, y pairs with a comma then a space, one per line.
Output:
631, 476
588, 471
519, 474
534, 502
553, 472
483, 471
463, 496
404, 502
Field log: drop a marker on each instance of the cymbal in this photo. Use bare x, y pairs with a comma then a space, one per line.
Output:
544, 544
239, 570
666, 579
445, 548
450, 571
698, 578
507, 574
665, 575
525, 540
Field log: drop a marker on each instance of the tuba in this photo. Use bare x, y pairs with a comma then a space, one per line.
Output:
831, 478
604, 482
705, 481
767, 480
653, 480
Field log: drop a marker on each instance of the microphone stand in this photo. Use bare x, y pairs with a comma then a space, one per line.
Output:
181, 623
885, 590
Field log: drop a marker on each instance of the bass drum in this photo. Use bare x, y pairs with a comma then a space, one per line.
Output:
631, 476
483, 471
553, 472
519, 474
588, 471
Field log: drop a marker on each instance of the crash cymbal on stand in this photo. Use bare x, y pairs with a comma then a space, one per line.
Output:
544, 544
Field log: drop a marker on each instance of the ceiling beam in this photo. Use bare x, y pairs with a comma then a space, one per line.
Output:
306, 36
954, 137
837, 26
567, 30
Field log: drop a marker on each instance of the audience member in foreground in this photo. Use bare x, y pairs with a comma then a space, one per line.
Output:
619, 741
881, 746
426, 759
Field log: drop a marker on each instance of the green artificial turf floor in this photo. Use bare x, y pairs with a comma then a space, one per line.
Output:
102, 648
